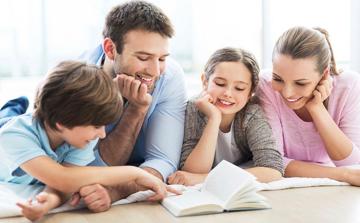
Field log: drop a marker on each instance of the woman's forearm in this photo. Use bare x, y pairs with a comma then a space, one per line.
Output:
337, 144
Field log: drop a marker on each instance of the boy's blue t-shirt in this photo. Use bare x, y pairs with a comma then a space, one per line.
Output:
23, 139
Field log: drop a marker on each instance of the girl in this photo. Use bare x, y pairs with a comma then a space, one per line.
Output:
225, 123
312, 108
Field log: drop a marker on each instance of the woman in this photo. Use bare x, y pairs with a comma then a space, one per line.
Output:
313, 109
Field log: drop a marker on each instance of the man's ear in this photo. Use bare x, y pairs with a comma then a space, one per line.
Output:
204, 81
109, 48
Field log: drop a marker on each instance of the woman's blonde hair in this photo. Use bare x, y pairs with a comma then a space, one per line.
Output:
301, 42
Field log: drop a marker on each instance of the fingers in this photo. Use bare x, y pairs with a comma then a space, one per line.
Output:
86, 190
96, 197
143, 90
22, 205
325, 87
133, 90
75, 199
172, 190
170, 178
98, 206
160, 192
29, 211
42, 197
177, 178
317, 95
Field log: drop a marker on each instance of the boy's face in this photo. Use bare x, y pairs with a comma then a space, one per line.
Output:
143, 57
80, 136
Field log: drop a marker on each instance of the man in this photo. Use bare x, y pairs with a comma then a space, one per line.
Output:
150, 131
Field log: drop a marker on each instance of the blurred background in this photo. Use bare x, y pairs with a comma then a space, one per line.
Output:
37, 34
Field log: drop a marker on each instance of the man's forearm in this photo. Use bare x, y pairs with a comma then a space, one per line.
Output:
122, 191
154, 172
116, 148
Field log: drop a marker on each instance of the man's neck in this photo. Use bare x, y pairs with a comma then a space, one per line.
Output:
108, 67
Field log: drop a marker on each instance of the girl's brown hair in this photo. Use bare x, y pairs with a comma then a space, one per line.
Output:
234, 55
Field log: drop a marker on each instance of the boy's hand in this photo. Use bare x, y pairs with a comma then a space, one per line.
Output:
147, 181
35, 210
186, 178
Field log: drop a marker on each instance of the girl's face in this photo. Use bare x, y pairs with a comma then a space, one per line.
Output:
295, 79
229, 86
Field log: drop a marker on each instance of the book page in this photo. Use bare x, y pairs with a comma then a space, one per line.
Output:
192, 202
225, 180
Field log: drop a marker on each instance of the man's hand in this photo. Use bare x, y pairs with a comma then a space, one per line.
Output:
96, 197
134, 91
186, 178
37, 209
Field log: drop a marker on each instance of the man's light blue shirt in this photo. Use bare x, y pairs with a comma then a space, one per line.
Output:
159, 143
23, 139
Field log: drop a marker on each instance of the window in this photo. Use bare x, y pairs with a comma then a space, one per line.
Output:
37, 34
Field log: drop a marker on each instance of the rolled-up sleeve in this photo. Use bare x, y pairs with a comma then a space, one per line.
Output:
165, 128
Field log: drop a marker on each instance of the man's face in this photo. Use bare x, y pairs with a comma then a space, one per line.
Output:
143, 57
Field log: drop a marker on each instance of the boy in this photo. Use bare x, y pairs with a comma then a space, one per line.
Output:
71, 109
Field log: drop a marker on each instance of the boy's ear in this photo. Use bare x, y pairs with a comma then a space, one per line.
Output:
204, 81
109, 48
59, 126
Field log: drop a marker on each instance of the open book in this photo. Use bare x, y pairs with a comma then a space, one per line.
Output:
226, 188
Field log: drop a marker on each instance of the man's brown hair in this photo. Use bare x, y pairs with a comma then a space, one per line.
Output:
77, 94
135, 15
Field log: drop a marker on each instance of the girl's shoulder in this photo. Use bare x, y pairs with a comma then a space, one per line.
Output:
251, 112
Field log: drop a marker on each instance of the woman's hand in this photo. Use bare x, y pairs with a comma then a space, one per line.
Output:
320, 94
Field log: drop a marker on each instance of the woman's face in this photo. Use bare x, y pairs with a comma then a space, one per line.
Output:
229, 86
295, 79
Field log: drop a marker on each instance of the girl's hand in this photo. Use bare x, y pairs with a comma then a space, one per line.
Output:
206, 105
186, 178
35, 210
147, 181
320, 94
